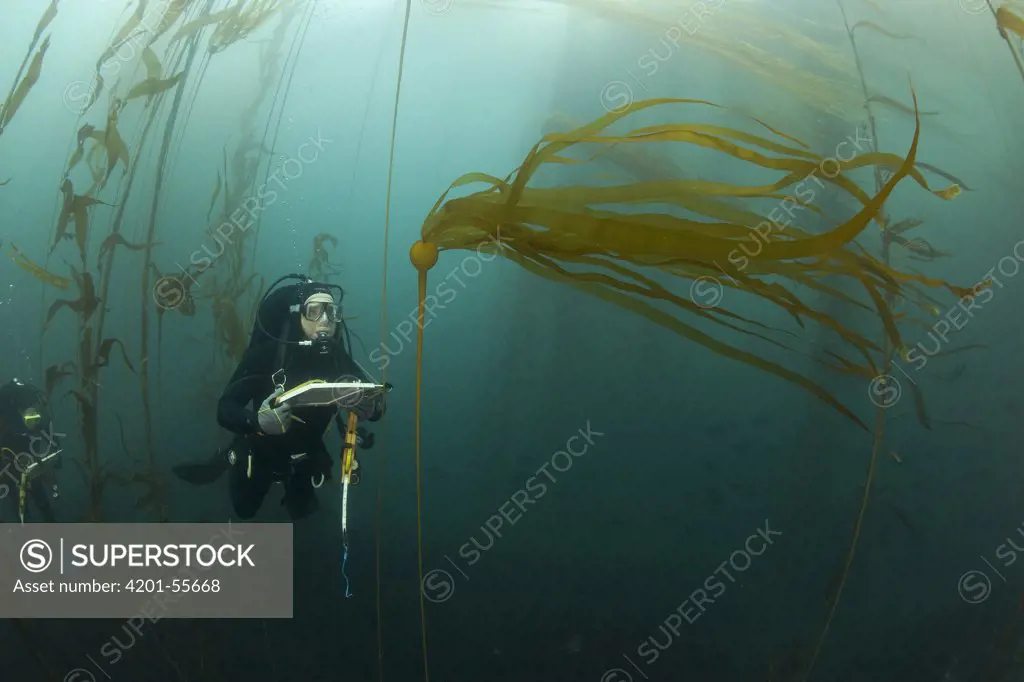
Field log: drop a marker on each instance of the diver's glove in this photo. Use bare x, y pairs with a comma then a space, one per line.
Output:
274, 420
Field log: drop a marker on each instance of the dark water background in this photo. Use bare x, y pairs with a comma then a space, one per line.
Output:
695, 454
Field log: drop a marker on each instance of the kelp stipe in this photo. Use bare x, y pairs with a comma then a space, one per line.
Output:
423, 256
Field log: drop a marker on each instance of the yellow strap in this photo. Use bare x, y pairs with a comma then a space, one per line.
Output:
349, 452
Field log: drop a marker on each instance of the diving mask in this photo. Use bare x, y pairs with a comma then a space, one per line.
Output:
315, 310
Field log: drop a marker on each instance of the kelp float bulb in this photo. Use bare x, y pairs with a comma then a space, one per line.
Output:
423, 255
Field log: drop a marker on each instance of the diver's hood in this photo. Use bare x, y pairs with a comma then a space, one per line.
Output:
313, 288
323, 342
279, 317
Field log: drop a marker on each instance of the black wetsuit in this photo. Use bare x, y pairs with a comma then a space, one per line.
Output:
20, 447
257, 459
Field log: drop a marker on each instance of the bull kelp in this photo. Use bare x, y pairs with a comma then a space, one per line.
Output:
547, 229
597, 239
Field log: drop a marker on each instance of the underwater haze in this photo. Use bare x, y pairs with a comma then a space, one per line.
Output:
720, 353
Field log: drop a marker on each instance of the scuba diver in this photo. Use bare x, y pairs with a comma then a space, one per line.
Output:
299, 335
28, 453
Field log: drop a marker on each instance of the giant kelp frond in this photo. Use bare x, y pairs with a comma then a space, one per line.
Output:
921, 250
155, 48
85, 305
40, 273
1010, 21
24, 80
173, 12
233, 202
74, 209
132, 29
596, 239
320, 266
14, 102
233, 23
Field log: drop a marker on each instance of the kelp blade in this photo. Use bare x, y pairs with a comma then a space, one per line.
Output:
556, 232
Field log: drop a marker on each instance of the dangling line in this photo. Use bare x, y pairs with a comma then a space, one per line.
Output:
344, 563
383, 333
344, 527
